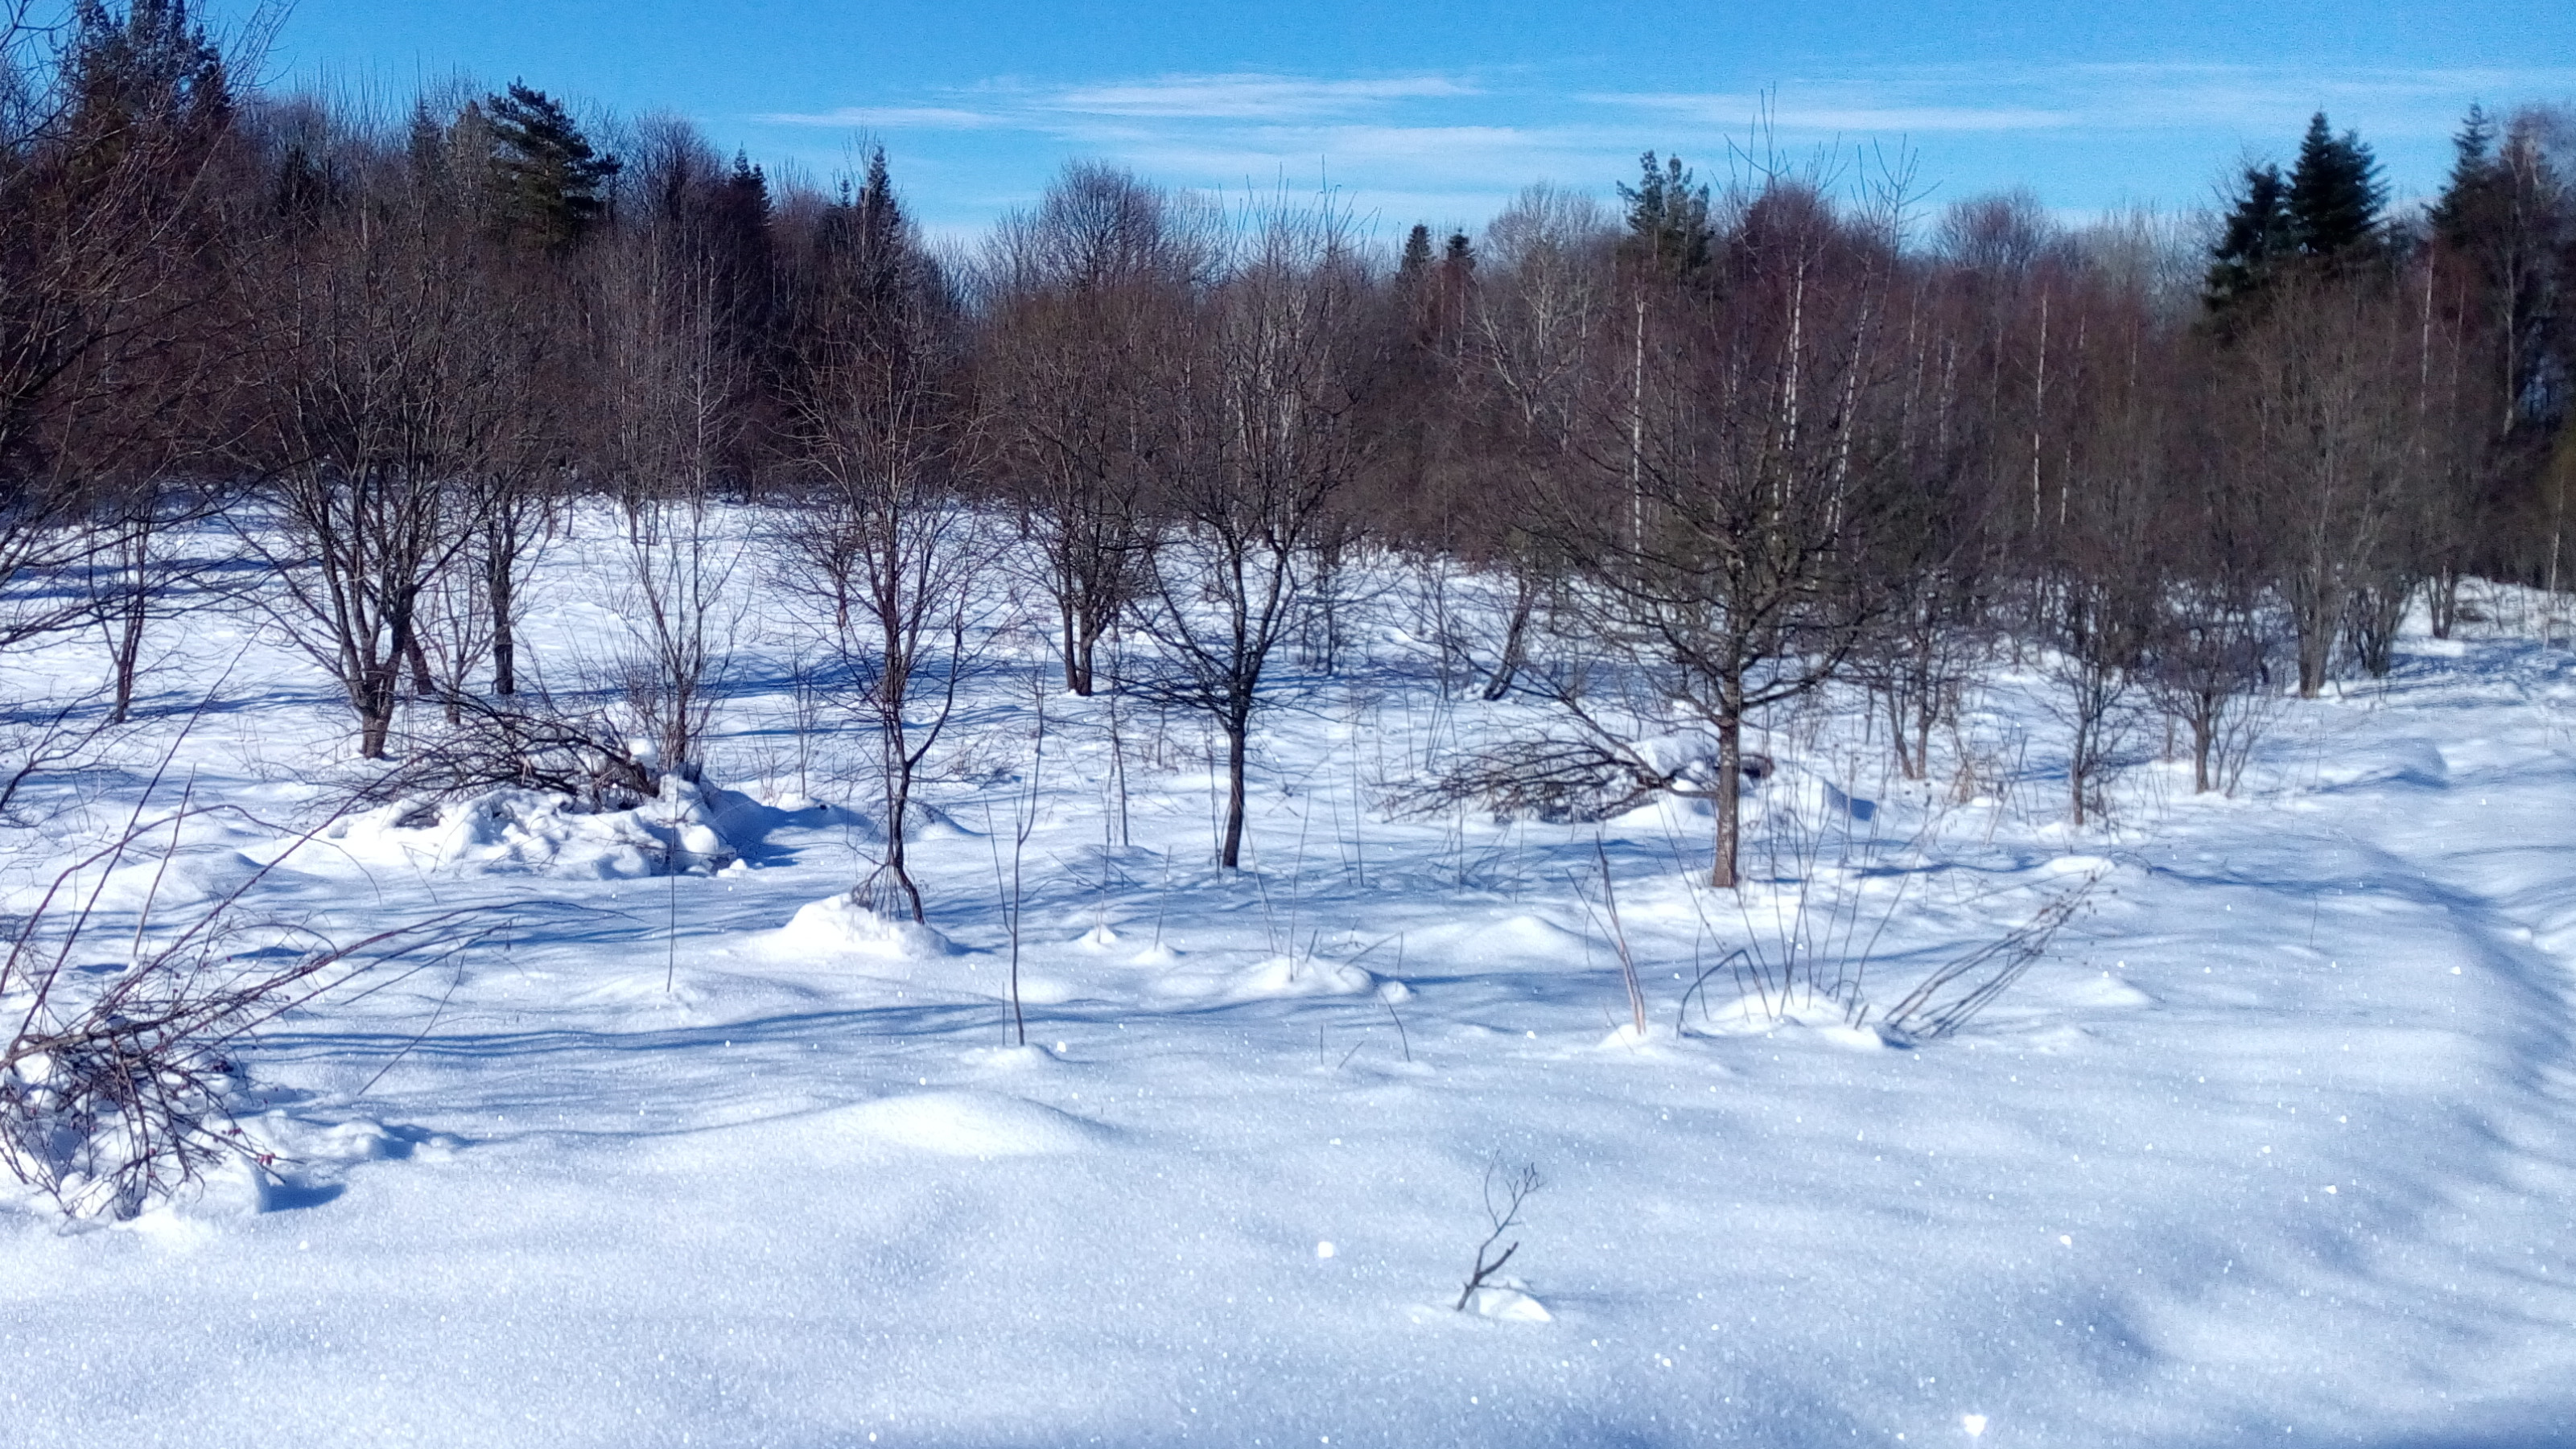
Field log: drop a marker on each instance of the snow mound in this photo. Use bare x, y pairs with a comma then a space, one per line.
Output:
192, 876
1521, 937
508, 831
2394, 762
281, 1162
1306, 976
2107, 991
968, 1123
1821, 1022
1274, 979
837, 926
1509, 1305
1847, 1037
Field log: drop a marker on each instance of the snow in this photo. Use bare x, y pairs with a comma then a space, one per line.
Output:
2275, 1143
838, 926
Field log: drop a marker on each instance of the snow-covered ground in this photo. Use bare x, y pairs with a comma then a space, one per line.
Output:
2277, 1143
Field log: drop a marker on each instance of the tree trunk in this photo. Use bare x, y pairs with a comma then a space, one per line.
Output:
505, 644
1078, 638
1905, 765
1722, 873
1925, 710
2444, 602
129, 650
374, 698
2316, 648
1515, 645
1238, 729
898, 833
424, 685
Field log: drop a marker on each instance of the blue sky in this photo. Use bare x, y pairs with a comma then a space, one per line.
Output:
1438, 112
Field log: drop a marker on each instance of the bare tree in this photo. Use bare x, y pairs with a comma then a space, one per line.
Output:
1269, 392
393, 381
1085, 295
680, 372
879, 537
2317, 436
1730, 480
2098, 601
115, 146
2217, 639
1532, 357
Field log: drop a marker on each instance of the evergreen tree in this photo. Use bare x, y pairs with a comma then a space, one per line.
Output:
746, 190
2325, 213
2476, 181
1417, 253
2335, 194
871, 263
307, 182
551, 183
2258, 238
1668, 227
731, 220
146, 77
1416, 295
2504, 229
879, 229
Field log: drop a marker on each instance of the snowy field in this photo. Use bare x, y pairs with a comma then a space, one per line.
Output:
2276, 1143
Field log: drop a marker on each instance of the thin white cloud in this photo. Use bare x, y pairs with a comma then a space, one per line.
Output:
1442, 158
2385, 103
1738, 111
2132, 96
1459, 145
1248, 96
890, 118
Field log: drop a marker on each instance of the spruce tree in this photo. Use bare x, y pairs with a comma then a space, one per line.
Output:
868, 246
2258, 238
2335, 194
1668, 228
1417, 252
883, 228
2476, 180
2324, 214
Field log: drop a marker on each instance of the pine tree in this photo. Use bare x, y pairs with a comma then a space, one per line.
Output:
1668, 227
551, 183
2335, 194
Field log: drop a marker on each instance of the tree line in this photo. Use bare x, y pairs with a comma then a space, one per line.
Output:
1738, 437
